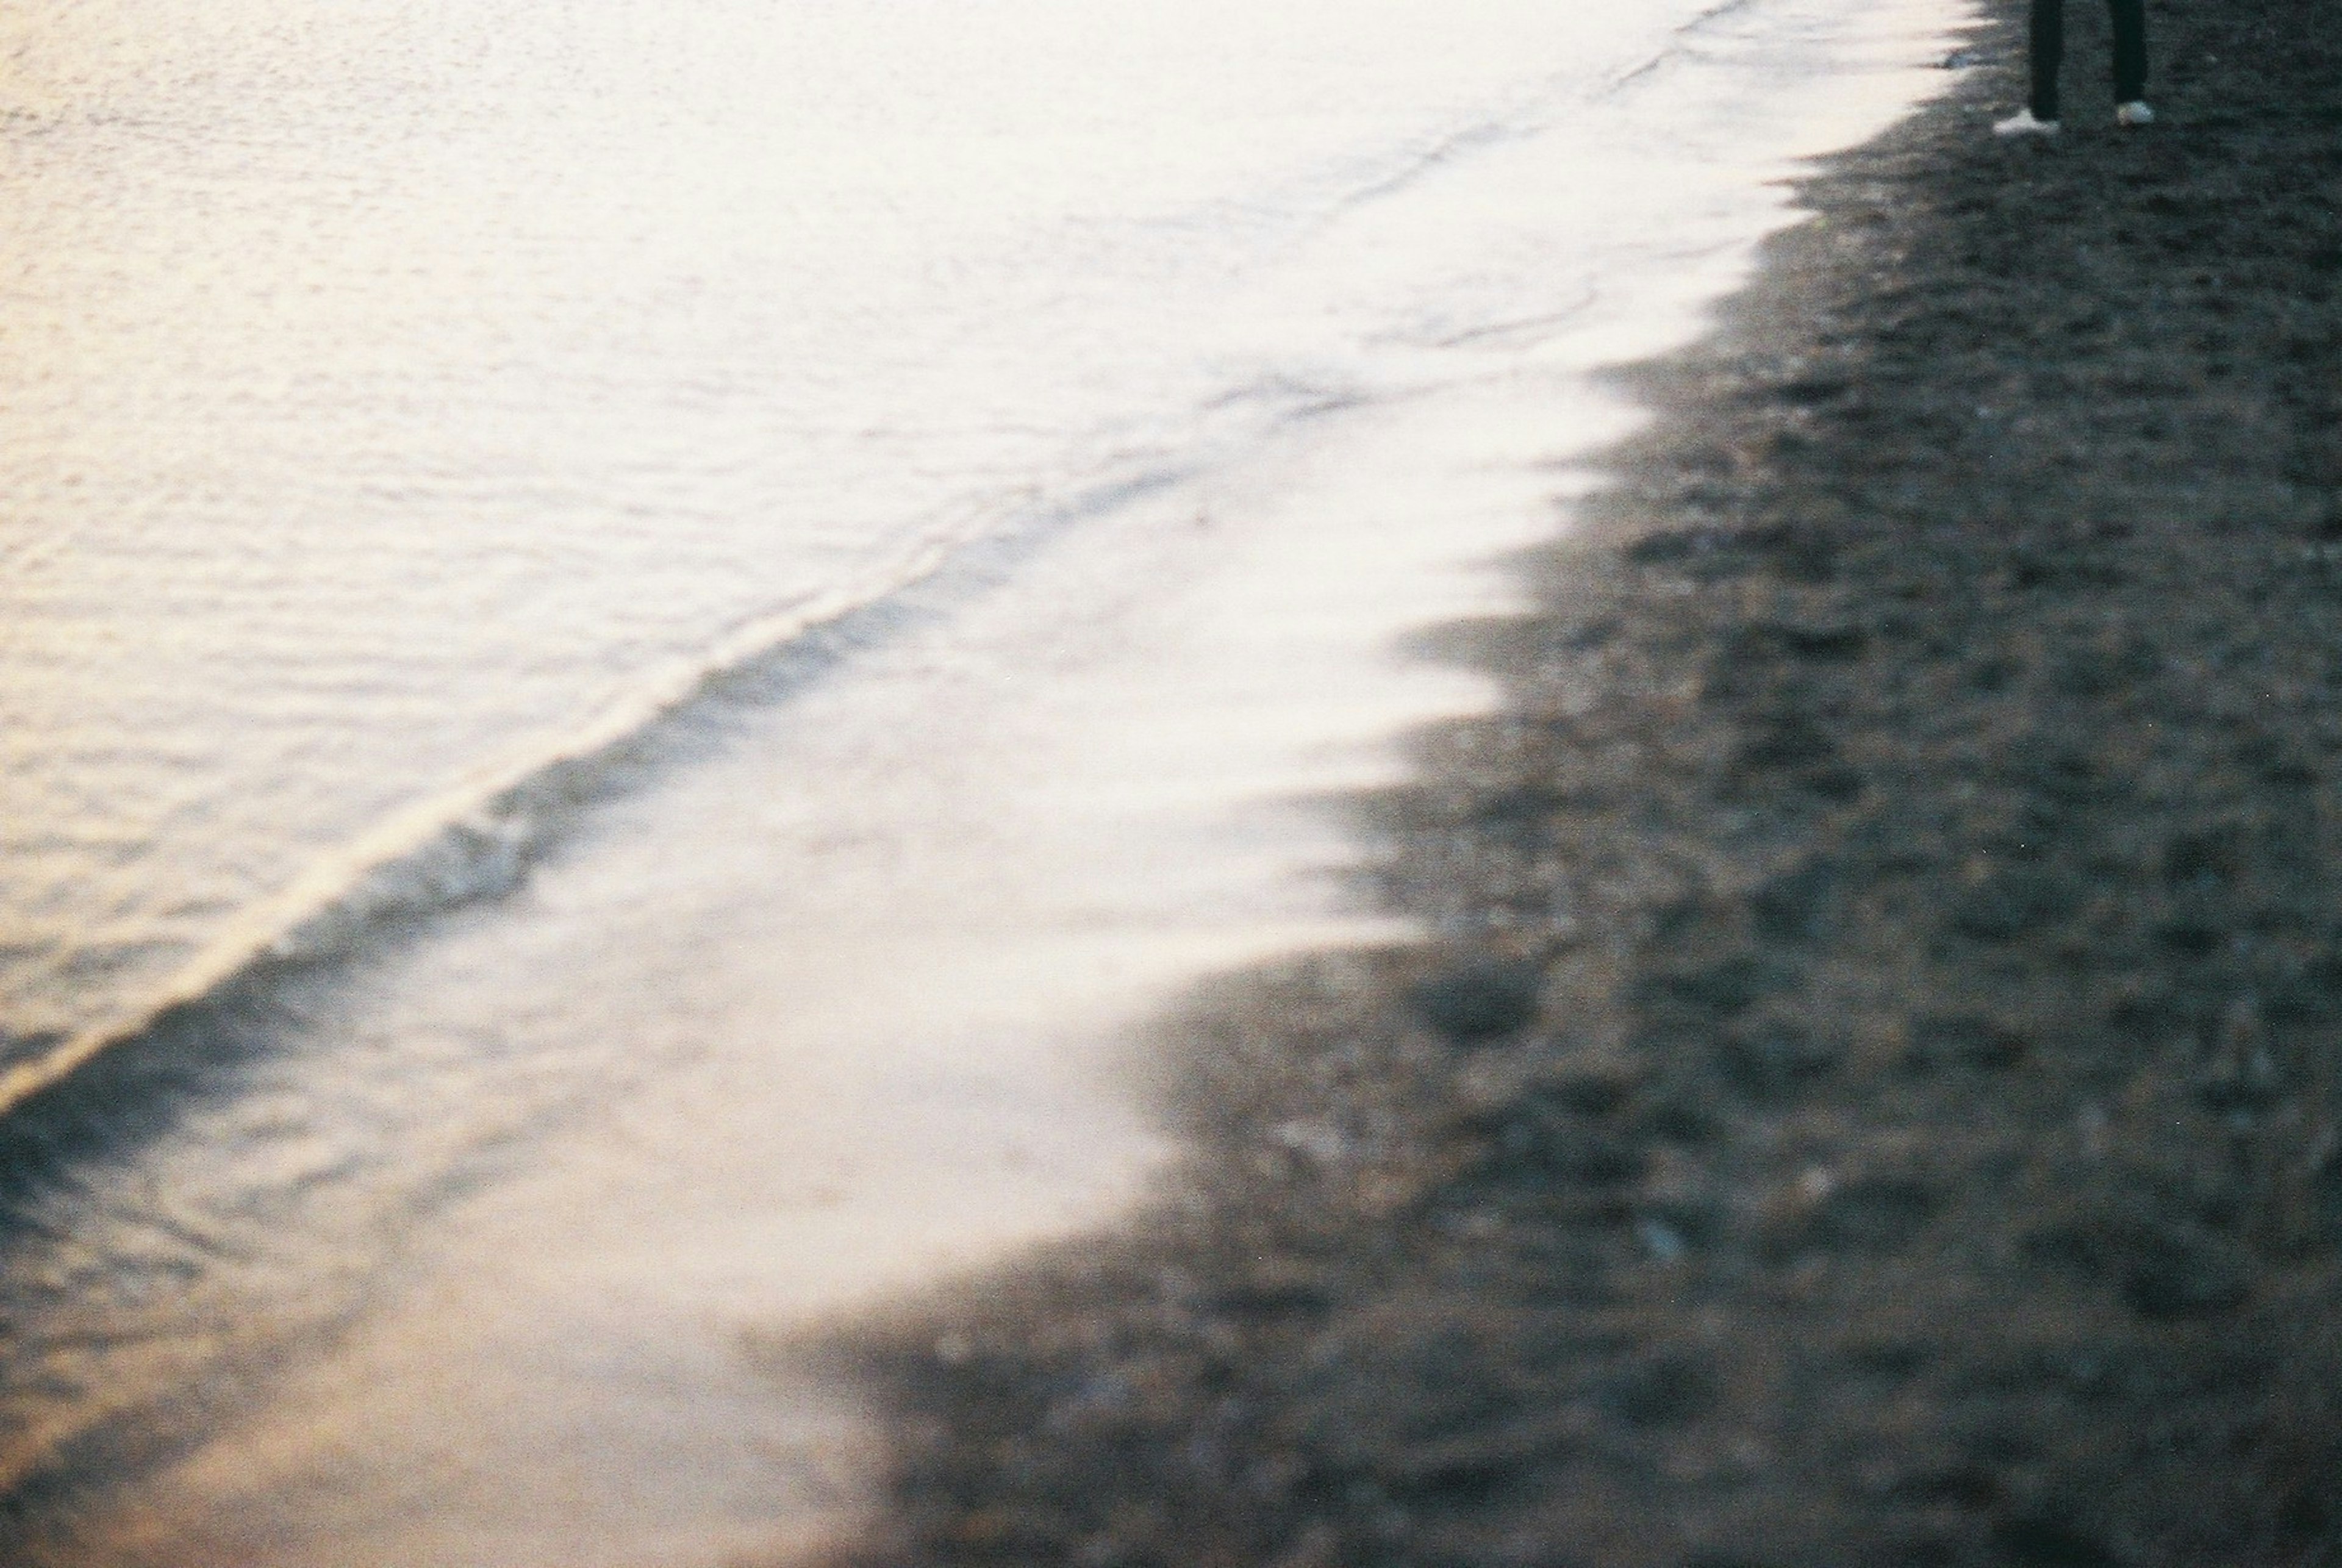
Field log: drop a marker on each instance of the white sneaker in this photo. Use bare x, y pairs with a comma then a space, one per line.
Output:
2023, 124
2134, 113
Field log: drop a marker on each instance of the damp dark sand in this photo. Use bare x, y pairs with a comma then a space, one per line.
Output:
1877, 1102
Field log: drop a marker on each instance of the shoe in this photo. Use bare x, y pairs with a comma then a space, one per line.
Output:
2023, 124
2134, 113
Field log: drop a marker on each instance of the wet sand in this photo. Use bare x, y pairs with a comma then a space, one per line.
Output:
1875, 1099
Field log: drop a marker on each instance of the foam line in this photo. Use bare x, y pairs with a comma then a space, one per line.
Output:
477, 839
1634, 74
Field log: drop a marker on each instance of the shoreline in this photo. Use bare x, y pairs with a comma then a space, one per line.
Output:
1875, 1103
1007, 793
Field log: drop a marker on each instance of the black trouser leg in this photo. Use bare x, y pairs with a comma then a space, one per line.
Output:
2049, 54
2131, 49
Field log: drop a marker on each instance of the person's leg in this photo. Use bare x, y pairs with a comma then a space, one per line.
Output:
2131, 49
2049, 55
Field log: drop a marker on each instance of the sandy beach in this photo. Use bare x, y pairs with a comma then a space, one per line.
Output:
1867, 1094
465, 1201
1875, 1101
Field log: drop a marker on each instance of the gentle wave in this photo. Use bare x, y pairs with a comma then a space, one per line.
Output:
477, 841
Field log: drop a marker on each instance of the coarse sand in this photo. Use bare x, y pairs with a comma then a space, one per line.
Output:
1873, 1099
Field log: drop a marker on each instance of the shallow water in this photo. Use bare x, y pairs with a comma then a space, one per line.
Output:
1043, 419
396, 395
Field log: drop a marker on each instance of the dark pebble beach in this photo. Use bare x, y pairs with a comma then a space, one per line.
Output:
1873, 1098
